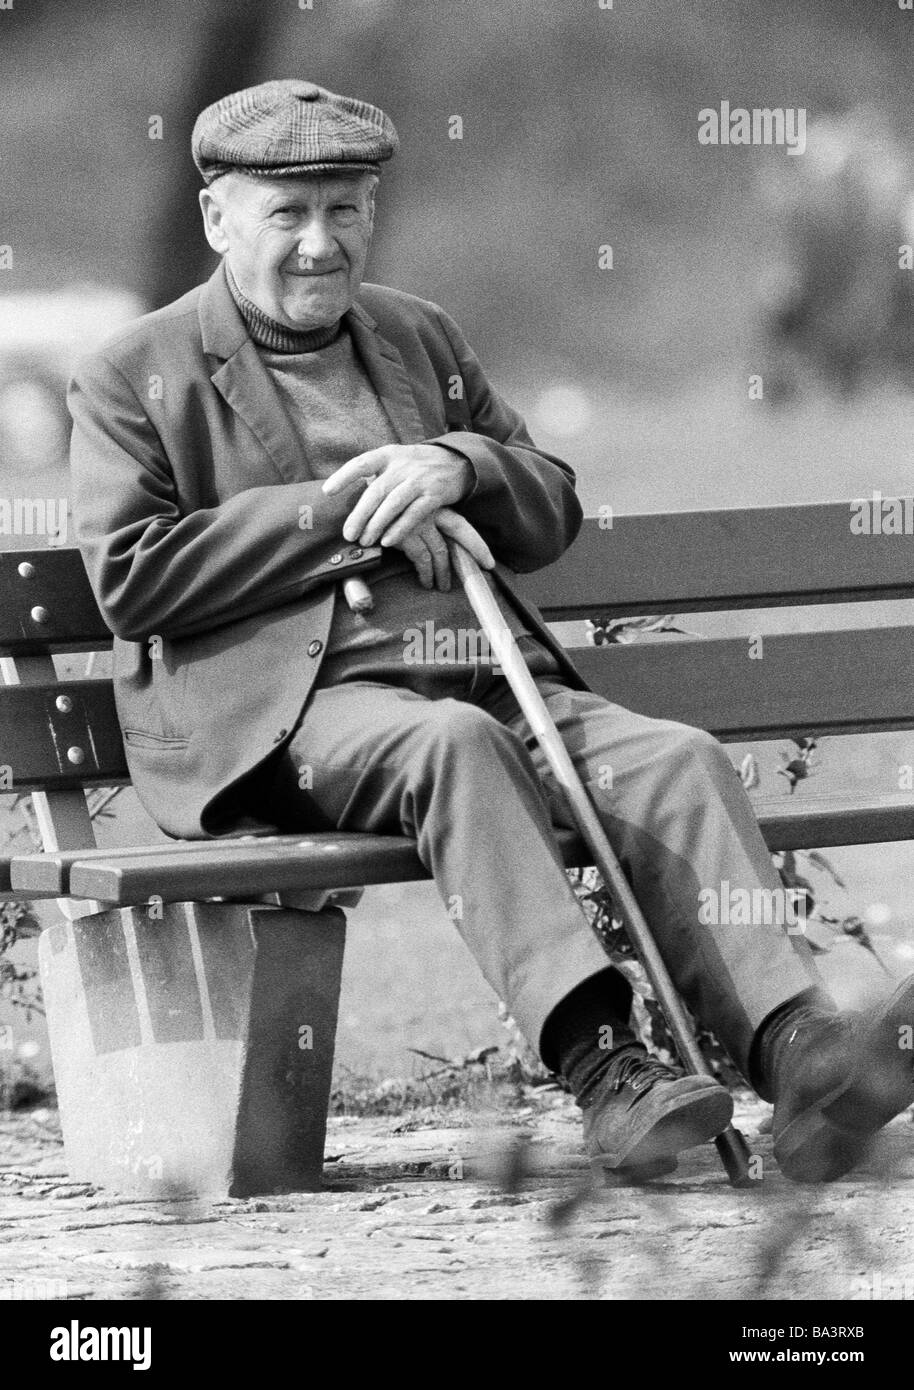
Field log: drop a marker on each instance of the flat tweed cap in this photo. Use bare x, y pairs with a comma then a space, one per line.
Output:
290, 127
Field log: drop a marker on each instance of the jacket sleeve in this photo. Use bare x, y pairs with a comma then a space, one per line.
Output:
156, 570
523, 500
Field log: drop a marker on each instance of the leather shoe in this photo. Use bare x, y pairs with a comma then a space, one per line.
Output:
839, 1079
643, 1113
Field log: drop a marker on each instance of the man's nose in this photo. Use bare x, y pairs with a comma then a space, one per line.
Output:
315, 242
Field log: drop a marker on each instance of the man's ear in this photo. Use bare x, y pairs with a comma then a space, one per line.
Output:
373, 191
213, 221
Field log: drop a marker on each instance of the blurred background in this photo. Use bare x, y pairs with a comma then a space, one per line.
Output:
579, 133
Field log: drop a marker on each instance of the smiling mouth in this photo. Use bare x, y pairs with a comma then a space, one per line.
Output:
315, 274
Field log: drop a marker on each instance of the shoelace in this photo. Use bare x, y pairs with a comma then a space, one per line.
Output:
637, 1068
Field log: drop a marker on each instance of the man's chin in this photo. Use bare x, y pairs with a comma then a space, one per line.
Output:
315, 309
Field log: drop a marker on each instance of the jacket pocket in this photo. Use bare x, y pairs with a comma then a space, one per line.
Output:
137, 738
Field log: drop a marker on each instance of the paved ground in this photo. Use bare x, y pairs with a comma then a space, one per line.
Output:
486, 1207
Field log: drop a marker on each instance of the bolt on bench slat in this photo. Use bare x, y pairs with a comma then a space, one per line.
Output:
47, 605
61, 736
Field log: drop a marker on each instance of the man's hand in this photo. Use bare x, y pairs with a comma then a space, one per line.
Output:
408, 484
426, 545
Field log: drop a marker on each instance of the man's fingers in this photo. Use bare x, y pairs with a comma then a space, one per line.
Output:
401, 501
362, 512
362, 466
459, 529
420, 510
441, 558
416, 550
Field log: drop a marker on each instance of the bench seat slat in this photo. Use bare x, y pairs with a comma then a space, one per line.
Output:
288, 862
10, 894
803, 822
49, 873
328, 861
222, 870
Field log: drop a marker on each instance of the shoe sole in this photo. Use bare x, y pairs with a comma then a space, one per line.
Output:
817, 1147
813, 1150
690, 1120
633, 1174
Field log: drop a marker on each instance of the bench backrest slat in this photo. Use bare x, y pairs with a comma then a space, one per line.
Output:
850, 681
828, 682
47, 605
846, 681
759, 557
63, 817
754, 557
55, 736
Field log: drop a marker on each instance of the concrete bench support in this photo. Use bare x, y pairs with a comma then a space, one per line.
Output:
193, 1045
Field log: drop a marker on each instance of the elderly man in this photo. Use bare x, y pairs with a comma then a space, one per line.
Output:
237, 457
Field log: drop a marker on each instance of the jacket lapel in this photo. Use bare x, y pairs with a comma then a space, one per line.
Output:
388, 376
247, 387
244, 382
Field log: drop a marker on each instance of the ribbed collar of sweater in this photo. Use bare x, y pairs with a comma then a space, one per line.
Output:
276, 337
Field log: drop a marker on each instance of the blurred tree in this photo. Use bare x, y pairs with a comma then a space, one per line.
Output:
228, 44
838, 302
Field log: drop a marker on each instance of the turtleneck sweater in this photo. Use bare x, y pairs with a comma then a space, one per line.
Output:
277, 337
336, 414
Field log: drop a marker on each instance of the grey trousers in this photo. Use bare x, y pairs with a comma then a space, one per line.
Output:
445, 755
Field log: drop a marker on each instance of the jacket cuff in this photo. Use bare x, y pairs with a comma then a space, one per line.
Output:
461, 443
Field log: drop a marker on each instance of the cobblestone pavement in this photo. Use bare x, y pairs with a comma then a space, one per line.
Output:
476, 1206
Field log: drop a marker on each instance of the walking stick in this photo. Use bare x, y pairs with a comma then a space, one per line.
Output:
731, 1145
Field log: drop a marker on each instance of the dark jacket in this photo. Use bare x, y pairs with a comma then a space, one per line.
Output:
212, 550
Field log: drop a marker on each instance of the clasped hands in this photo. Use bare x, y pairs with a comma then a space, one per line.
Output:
407, 502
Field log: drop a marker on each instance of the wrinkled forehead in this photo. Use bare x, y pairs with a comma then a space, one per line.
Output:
307, 190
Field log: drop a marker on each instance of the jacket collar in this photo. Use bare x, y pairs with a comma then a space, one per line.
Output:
246, 385
223, 329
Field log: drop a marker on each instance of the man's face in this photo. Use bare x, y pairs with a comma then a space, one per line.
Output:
296, 246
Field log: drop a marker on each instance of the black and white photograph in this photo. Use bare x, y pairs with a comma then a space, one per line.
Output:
457, 667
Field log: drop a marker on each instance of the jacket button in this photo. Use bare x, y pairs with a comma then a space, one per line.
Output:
337, 558
315, 647
356, 553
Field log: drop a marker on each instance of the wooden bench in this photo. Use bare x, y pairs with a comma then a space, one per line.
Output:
192, 1015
